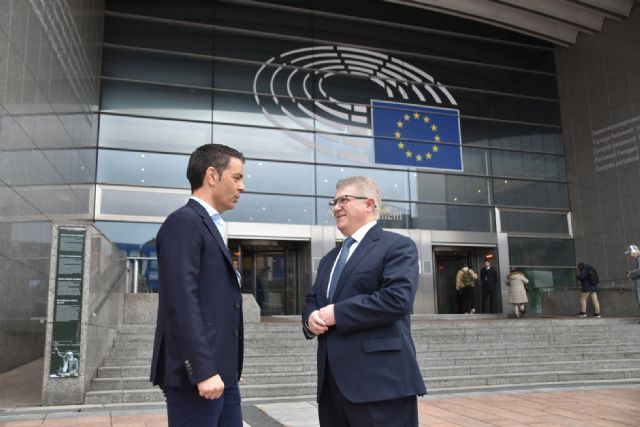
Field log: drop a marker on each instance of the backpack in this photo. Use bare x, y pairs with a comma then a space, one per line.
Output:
468, 279
593, 277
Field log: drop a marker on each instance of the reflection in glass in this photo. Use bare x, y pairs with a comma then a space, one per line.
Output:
534, 222
451, 217
144, 134
129, 236
540, 252
393, 184
432, 187
156, 101
276, 177
527, 165
140, 202
513, 192
142, 168
265, 143
273, 209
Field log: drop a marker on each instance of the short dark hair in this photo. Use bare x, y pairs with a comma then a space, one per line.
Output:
216, 156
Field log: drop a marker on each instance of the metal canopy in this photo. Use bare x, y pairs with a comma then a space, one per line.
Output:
556, 21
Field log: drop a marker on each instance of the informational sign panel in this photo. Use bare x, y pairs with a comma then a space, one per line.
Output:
65, 344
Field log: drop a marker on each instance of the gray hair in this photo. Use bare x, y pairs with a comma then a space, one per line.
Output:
365, 187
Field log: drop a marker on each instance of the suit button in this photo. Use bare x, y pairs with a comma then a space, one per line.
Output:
235, 333
237, 305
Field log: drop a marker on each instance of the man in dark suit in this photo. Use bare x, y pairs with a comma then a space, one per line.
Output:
490, 288
359, 308
198, 351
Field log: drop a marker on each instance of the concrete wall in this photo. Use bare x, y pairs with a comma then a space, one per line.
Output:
50, 60
599, 84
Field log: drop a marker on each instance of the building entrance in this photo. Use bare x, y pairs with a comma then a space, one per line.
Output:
449, 260
275, 272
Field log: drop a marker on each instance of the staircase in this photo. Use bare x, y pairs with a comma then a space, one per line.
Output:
455, 353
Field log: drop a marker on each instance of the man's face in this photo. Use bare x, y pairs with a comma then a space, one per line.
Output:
351, 213
228, 186
487, 264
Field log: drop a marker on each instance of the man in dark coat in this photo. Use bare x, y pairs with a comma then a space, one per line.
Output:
197, 353
490, 289
359, 308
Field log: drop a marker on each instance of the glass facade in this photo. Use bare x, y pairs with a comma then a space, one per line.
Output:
290, 84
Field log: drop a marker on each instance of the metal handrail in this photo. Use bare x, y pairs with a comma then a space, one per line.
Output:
135, 261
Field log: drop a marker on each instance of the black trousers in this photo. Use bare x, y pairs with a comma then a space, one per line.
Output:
489, 292
468, 299
335, 410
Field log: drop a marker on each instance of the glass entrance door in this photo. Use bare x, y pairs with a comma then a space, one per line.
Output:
449, 260
273, 272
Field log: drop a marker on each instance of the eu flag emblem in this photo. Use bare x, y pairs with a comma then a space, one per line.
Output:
416, 135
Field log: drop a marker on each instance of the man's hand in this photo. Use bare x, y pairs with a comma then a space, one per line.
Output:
315, 323
211, 388
327, 316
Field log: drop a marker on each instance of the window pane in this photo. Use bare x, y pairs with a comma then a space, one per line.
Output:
139, 133
266, 143
143, 203
275, 177
526, 137
393, 184
142, 168
430, 187
451, 217
129, 236
273, 209
156, 101
512, 192
534, 222
536, 252
527, 165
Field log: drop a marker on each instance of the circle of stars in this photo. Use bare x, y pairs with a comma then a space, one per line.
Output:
427, 121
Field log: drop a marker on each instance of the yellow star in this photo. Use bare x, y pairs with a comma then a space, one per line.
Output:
419, 157
407, 117
416, 115
409, 153
436, 148
426, 119
400, 124
434, 128
437, 138
401, 145
429, 156
398, 134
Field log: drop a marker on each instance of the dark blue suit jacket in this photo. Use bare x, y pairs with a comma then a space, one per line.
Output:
370, 350
199, 328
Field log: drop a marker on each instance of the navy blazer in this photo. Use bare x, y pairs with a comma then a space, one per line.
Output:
199, 329
370, 350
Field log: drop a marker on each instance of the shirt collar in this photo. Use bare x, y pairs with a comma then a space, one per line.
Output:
362, 231
210, 209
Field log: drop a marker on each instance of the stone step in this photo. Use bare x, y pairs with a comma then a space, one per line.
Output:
435, 350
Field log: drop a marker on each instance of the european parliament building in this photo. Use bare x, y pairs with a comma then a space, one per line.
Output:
496, 130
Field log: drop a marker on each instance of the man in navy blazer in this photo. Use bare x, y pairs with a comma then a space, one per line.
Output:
198, 349
368, 374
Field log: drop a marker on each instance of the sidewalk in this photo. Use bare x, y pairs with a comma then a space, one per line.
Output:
605, 406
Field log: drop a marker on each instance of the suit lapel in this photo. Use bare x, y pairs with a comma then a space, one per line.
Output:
369, 241
208, 222
325, 275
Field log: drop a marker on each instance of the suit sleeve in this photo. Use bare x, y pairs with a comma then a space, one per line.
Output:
179, 256
312, 301
394, 297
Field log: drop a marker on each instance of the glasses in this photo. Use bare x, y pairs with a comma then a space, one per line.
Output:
343, 200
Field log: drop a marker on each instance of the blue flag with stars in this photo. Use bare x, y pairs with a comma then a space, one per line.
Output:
416, 135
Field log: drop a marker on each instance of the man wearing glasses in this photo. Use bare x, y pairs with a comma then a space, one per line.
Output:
359, 308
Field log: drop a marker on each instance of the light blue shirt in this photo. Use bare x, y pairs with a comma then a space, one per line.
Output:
212, 211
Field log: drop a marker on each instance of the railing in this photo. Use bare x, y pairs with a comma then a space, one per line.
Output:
142, 269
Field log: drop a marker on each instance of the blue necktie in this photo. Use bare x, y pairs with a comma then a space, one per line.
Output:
342, 260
